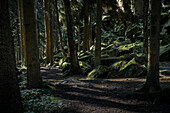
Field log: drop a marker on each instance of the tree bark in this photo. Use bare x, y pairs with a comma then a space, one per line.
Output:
79, 38
85, 21
145, 26
59, 31
90, 31
51, 31
47, 29
75, 68
34, 78
152, 82
10, 99
21, 31
98, 35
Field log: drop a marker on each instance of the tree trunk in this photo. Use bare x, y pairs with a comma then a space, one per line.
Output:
145, 26
90, 31
79, 39
59, 31
47, 29
98, 35
75, 69
21, 31
34, 78
85, 21
51, 32
10, 99
56, 37
152, 82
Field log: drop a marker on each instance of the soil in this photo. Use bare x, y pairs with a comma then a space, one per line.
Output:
109, 95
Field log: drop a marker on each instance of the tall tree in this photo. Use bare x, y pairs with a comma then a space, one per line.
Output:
75, 68
21, 30
51, 30
34, 78
59, 31
152, 83
145, 26
10, 99
85, 28
98, 35
47, 29
79, 38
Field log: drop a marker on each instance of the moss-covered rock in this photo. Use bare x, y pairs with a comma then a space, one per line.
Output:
98, 72
84, 65
130, 48
127, 69
109, 60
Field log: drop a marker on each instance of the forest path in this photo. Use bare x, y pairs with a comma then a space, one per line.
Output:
101, 95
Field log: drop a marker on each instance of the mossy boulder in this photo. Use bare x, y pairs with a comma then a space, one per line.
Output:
127, 69
84, 65
65, 66
98, 72
62, 60
109, 60
130, 48
139, 58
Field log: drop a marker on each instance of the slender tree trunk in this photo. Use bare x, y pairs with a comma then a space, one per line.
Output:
90, 31
25, 48
21, 31
98, 35
152, 82
59, 31
75, 69
85, 21
51, 31
34, 78
10, 99
79, 39
68, 54
47, 33
145, 26
56, 38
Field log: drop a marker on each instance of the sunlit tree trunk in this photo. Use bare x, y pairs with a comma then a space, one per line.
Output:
152, 82
34, 78
145, 26
21, 31
59, 31
85, 22
10, 99
98, 35
75, 68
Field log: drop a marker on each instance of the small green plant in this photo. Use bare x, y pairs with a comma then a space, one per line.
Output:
39, 100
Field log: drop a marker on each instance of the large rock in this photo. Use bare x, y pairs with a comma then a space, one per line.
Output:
98, 72
127, 69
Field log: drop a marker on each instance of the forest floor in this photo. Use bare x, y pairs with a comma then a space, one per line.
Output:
111, 95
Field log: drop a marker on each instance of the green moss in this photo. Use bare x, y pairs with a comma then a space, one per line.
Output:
98, 72
128, 64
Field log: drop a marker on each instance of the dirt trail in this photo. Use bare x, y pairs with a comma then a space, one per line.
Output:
102, 95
